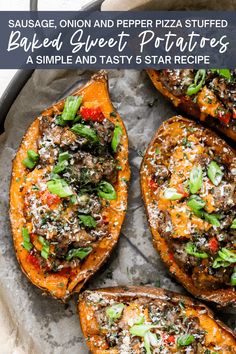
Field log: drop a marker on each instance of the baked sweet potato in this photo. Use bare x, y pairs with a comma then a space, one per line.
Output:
150, 320
68, 191
188, 179
208, 95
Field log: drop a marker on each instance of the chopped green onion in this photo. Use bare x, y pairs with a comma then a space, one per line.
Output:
72, 104
115, 311
46, 246
32, 155
60, 167
85, 132
192, 250
60, 188
223, 72
141, 329
219, 262
116, 138
212, 219
233, 225
157, 151
195, 179
147, 344
62, 162
227, 255
88, 221
215, 173
64, 156
60, 121
233, 278
26, 239
172, 194
225, 258
152, 338
106, 191
80, 253
196, 204
28, 163
31, 160
199, 81
185, 340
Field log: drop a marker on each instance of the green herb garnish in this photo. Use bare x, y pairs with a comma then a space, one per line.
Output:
60, 167
31, 160
72, 104
64, 156
196, 204
192, 250
26, 239
223, 72
85, 132
215, 173
199, 81
233, 278
80, 253
106, 191
59, 187
88, 221
227, 255
195, 179
185, 340
46, 246
212, 219
172, 194
115, 311
116, 138
233, 225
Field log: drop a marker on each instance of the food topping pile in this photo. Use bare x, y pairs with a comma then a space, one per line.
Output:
70, 182
193, 188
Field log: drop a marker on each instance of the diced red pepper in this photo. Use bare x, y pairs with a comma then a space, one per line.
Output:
64, 271
105, 219
153, 184
33, 260
181, 190
224, 116
171, 256
52, 199
95, 114
170, 339
213, 244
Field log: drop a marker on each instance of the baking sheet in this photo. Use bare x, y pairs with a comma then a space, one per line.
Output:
36, 324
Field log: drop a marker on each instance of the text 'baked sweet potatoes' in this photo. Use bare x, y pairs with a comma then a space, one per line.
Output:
188, 181
68, 193
150, 320
208, 95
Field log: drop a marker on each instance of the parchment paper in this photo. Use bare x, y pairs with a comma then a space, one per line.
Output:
34, 324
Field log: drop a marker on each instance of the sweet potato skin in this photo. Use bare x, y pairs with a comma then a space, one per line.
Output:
185, 104
221, 297
217, 331
61, 286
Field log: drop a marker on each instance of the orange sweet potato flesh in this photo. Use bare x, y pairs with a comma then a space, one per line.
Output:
185, 104
61, 286
171, 130
217, 334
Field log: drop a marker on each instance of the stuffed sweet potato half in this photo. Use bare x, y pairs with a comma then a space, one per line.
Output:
188, 179
68, 191
208, 95
143, 320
